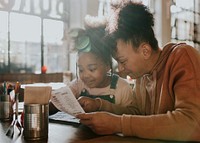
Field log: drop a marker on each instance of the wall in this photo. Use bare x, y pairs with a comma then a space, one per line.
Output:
78, 10
162, 21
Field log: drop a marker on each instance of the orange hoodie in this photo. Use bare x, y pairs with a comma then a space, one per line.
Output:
167, 101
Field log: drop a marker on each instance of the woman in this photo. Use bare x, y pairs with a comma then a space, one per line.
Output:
167, 90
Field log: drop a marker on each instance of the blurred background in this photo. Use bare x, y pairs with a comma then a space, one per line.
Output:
33, 33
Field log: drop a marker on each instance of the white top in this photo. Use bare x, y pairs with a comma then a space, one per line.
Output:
123, 92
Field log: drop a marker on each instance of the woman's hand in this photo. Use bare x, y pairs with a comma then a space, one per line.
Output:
89, 104
102, 123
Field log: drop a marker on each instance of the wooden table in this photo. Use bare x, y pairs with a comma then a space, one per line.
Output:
63, 132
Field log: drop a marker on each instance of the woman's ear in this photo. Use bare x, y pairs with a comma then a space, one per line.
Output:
146, 50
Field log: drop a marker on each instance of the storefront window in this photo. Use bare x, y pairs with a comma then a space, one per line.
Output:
184, 22
31, 34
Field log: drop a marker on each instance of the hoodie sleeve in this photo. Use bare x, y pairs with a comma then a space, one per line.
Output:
181, 81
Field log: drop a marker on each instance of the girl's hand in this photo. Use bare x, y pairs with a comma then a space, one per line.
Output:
89, 104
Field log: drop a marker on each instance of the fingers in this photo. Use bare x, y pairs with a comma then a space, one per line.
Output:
92, 121
85, 119
83, 116
85, 105
82, 101
88, 104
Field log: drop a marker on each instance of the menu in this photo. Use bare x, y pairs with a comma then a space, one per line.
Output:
64, 100
62, 116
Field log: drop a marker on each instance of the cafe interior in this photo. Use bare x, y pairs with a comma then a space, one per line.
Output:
35, 49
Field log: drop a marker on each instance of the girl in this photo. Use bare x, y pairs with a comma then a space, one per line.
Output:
96, 82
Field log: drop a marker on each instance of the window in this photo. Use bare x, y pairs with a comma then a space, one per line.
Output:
31, 35
3, 41
184, 22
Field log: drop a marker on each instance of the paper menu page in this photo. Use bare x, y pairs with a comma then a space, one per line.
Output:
61, 116
64, 100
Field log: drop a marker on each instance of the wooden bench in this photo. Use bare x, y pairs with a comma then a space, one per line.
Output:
27, 78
